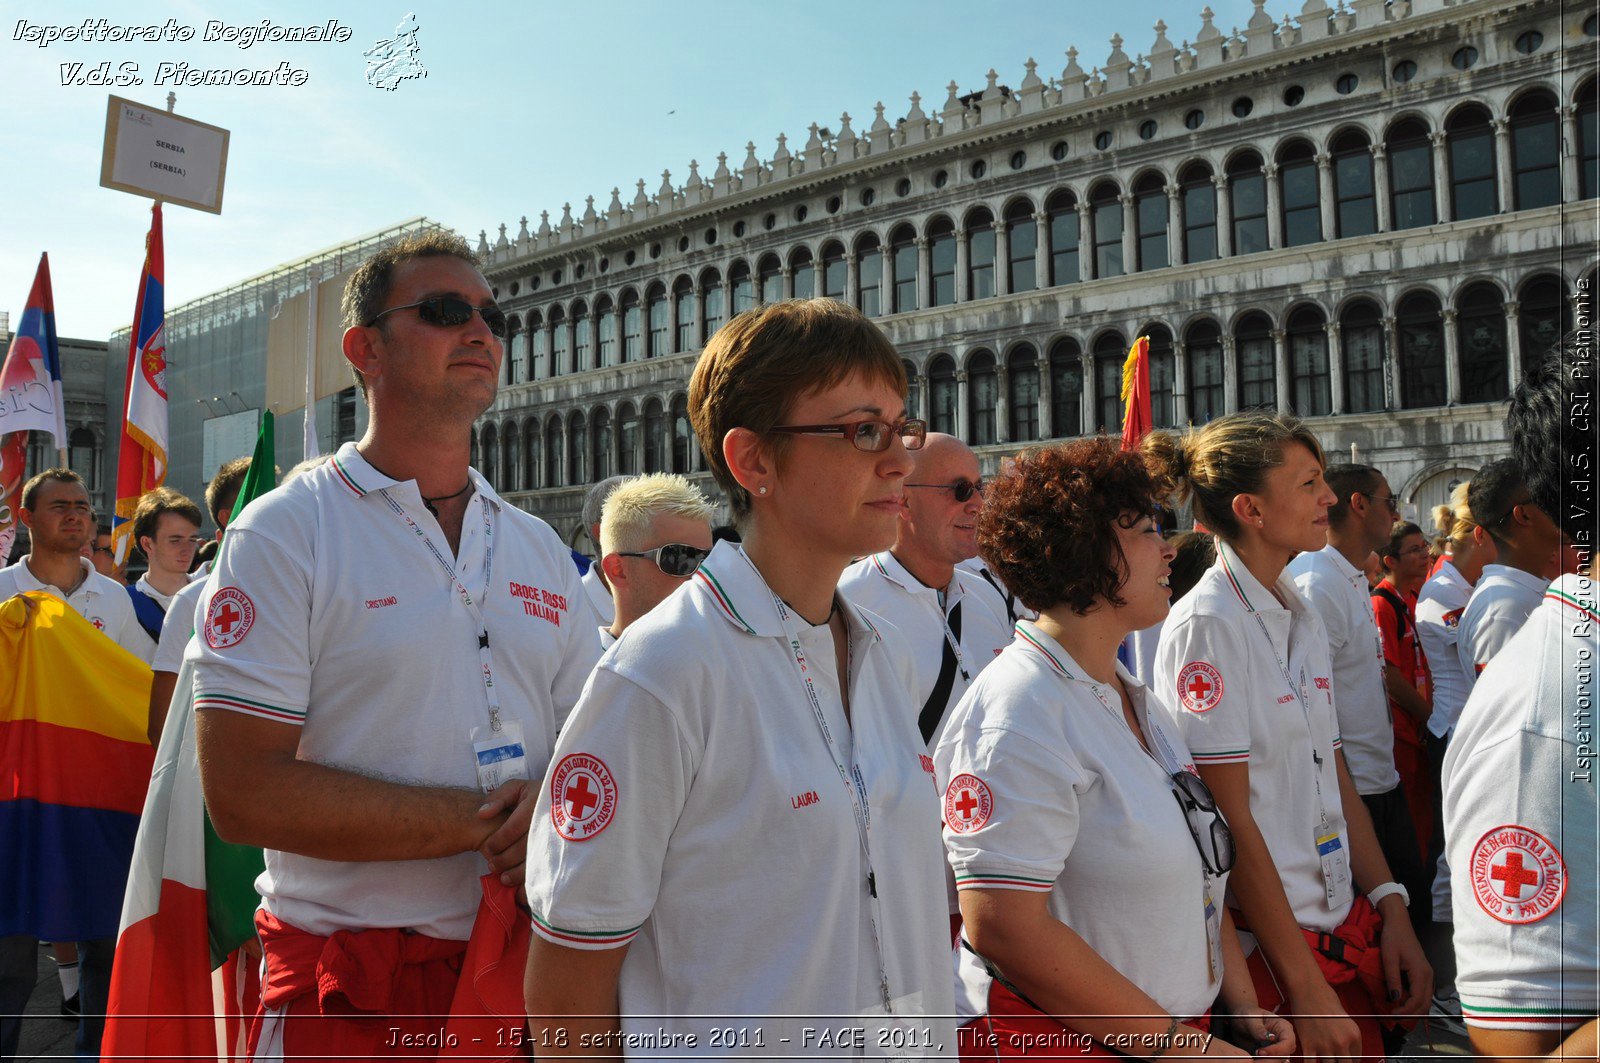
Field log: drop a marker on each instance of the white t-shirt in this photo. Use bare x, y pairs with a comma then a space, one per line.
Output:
1141, 648
178, 628
883, 586
1501, 601
1014, 606
1440, 604
694, 812
327, 611
599, 595
1337, 590
1046, 789
1520, 824
99, 599
1223, 675
144, 587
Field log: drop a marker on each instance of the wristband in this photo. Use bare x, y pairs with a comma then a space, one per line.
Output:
1389, 889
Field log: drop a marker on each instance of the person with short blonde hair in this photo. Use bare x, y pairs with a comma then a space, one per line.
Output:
654, 532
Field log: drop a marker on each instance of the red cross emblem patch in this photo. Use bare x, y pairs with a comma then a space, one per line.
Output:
1518, 875
1199, 687
967, 804
583, 797
229, 617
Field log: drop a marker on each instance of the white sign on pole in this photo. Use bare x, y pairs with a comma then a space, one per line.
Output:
151, 152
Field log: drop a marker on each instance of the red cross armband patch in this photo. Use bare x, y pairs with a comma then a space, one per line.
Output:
1199, 687
967, 804
229, 618
583, 797
1518, 875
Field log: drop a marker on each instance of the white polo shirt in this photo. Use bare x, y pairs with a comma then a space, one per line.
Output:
1520, 824
99, 599
1228, 692
1440, 604
1013, 604
144, 587
883, 586
327, 612
694, 812
599, 595
178, 628
1337, 590
1047, 790
1501, 602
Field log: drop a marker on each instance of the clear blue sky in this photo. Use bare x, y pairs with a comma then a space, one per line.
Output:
525, 106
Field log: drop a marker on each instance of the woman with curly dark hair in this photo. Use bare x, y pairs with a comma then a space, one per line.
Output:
1089, 856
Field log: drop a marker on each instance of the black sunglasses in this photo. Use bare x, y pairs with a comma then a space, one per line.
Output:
963, 489
1193, 795
675, 559
447, 311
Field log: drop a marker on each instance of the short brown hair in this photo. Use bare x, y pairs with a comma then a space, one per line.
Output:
1344, 480
30, 490
1048, 526
147, 514
369, 286
1228, 457
759, 364
223, 490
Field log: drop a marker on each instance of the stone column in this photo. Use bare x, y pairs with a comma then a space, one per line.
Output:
1335, 368
1047, 428
1130, 234
672, 331
1326, 196
1274, 206
1224, 216
1513, 343
1085, 242
852, 280
1452, 359
1391, 366
924, 272
1380, 186
1441, 177
696, 336
1002, 258
924, 395
666, 434
788, 281
727, 311
1569, 153
963, 261
1280, 363
963, 405
818, 275
1175, 248
1182, 413
1502, 163
886, 283
1088, 410
1230, 373
1002, 403
1042, 252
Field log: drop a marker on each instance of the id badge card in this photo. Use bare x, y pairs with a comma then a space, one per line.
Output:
904, 1035
500, 755
1213, 933
1336, 883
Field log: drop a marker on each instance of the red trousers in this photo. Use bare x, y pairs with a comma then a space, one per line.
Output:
1013, 1029
1417, 775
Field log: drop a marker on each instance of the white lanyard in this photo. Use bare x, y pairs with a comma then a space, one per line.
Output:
485, 657
954, 643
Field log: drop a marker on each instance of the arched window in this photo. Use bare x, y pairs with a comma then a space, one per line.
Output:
980, 254
942, 259
1022, 245
1199, 213
1361, 334
1023, 393
770, 274
1472, 179
1535, 151
1311, 382
869, 275
805, 273
532, 458
983, 389
1062, 209
683, 306
711, 305
744, 290
582, 330
81, 457
1258, 370
1150, 212
1352, 185
652, 436
1544, 315
833, 271
576, 450
913, 390
1110, 351
552, 453
682, 435
1247, 189
1163, 376
516, 348
942, 395
1302, 210
1419, 332
606, 315
1066, 388
657, 311
1203, 349
632, 327
1107, 211
538, 347
903, 252
1410, 175
600, 443
509, 453
1481, 344
628, 449
1589, 140
558, 340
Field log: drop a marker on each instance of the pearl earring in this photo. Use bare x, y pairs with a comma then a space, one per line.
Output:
763, 489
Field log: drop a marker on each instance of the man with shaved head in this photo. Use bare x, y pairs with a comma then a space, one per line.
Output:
954, 621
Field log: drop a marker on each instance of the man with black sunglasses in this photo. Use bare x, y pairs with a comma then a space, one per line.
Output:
954, 621
387, 617
654, 532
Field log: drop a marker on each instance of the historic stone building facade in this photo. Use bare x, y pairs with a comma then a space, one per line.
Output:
1371, 215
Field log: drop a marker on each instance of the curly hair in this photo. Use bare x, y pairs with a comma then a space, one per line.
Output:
1048, 528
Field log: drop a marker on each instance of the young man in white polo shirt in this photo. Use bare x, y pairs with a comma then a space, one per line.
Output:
383, 642
166, 528
1520, 801
953, 620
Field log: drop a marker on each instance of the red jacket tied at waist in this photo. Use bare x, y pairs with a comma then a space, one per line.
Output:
351, 970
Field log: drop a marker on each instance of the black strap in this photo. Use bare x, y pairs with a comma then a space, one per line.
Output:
933, 709
1010, 599
1402, 625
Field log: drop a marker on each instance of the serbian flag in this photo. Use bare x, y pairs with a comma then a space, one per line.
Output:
13, 462
1136, 423
142, 453
30, 378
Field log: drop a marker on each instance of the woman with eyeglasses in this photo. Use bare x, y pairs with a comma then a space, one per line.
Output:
737, 841
1244, 659
1089, 857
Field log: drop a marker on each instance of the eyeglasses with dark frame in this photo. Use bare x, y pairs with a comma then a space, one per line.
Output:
963, 488
675, 559
448, 311
1193, 795
873, 437
1389, 500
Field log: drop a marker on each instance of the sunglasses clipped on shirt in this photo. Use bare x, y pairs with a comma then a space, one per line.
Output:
1215, 842
675, 559
447, 311
963, 489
